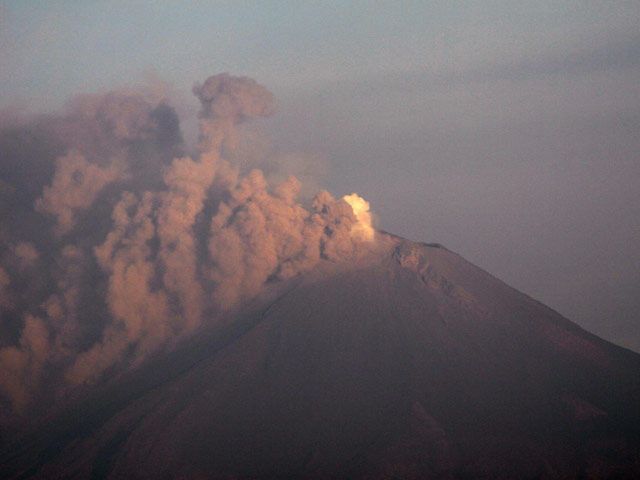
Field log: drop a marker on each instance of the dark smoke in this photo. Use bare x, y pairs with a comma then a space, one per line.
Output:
117, 243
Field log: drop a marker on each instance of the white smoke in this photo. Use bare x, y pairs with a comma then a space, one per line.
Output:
363, 228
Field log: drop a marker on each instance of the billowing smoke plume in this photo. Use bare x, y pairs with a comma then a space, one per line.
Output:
74, 188
363, 228
117, 243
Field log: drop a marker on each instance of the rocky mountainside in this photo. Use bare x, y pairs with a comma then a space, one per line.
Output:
409, 362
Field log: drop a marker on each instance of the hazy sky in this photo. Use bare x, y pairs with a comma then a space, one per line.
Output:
507, 130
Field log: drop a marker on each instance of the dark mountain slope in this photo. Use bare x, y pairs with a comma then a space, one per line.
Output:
407, 363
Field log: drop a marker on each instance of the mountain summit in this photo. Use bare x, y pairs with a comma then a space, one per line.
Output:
407, 362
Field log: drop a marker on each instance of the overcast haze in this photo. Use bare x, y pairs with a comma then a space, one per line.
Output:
508, 131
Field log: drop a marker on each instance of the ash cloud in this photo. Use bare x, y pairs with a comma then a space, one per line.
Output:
75, 186
118, 242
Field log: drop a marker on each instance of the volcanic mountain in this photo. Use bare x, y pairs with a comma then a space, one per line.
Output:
407, 362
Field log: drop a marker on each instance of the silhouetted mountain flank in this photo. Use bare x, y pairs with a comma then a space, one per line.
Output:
408, 362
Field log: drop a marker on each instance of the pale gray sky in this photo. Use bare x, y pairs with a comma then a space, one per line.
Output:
507, 130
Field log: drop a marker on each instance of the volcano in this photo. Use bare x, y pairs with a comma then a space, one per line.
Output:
406, 362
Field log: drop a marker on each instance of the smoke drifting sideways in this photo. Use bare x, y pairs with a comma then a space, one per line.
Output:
117, 244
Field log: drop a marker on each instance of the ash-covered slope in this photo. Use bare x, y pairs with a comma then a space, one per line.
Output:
408, 363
